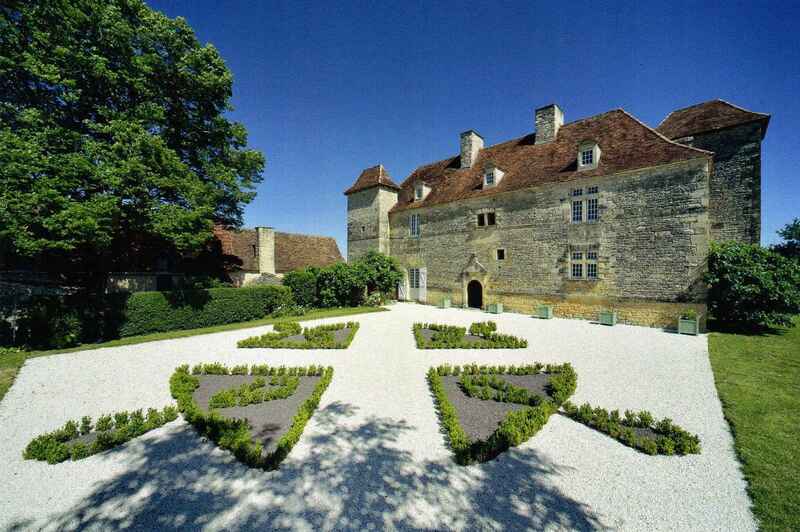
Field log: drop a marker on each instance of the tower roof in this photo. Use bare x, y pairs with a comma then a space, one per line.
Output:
372, 177
706, 116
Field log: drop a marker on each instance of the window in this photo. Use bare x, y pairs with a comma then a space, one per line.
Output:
501, 254
577, 211
587, 157
592, 190
591, 209
481, 220
363, 229
576, 192
418, 192
489, 178
486, 218
255, 251
583, 263
414, 225
413, 278
490, 219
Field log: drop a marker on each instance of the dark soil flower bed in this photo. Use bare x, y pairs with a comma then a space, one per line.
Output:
272, 406
481, 335
289, 335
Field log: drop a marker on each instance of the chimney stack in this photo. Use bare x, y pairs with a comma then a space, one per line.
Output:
265, 240
548, 120
471, 144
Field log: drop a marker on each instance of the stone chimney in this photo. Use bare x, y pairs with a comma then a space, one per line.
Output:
265, 240
471, 144
548, 120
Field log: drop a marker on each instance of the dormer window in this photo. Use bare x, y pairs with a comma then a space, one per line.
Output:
588, 155
491, 176
421, 191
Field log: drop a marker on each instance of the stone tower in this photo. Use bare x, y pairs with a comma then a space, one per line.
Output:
368, 203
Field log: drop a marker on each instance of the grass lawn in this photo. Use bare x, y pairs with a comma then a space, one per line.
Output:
758, 379
10, 364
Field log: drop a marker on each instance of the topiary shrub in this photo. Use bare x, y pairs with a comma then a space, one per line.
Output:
751, 287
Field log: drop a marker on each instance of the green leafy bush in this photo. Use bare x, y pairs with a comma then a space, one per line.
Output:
233, 434
668, 438
320, 337
340, 285
378, 272
68, 442
482, 328
452, 337
149, 312
255, 392
303, 284
751, 287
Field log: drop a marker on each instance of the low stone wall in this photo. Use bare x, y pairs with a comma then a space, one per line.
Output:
663, 314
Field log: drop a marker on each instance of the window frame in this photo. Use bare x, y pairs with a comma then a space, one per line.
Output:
587, 157
413, 278
415, 226
582, 262
481, 219
491, 218
576, 209
419, 192
488, 178
498, 252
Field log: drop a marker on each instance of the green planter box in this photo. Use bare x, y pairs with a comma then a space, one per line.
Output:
445, 303
544, 312
495, 308
608, 317
689, 326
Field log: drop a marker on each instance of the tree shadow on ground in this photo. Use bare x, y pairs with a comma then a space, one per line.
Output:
352, 476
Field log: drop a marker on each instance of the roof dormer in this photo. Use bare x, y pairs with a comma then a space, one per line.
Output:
421, 191
588, 155
492, 175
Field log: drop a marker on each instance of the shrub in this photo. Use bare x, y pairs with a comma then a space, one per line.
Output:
751, 287
482, 328
149, 312
340, 285
320, 337
303, 284
47, 322
452, 337
378, 272
233, 434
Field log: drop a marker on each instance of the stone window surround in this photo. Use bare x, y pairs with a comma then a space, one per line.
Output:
582, 196
588, 145
584, 261
485, 212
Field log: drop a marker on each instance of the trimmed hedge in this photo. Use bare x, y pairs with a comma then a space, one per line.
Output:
518, 426
670, 438
149, 312
110, 430
452, 337
255, 392
233, 434
320, 337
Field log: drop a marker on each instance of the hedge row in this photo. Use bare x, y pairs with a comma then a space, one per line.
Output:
670, 438
320, 337
517, 427
233, 434
452, 337
73, 440
148, 312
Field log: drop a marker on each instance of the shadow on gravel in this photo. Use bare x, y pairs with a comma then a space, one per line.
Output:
355, 478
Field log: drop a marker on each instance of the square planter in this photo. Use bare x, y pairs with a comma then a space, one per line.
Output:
495, 308
689, 326
608, 317
544, 312
445, 303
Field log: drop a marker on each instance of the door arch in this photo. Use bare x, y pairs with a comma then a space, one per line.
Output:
474, 294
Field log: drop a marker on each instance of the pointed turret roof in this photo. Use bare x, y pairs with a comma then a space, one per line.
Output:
372, 177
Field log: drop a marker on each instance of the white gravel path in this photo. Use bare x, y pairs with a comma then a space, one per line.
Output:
372, 457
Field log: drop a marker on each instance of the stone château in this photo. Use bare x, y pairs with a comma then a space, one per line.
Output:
603, 212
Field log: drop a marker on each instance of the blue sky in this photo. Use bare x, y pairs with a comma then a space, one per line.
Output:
326, 90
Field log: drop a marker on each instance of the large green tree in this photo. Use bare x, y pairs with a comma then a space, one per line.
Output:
790, 247
113, 131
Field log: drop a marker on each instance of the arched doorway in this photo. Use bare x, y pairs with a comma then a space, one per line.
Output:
474, 294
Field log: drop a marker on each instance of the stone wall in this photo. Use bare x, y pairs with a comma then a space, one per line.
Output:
369, 209
652, 242
735, 205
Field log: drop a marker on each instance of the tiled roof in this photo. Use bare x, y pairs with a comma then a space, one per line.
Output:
707, 116
294, 251
372, 177
239, 245
625, 143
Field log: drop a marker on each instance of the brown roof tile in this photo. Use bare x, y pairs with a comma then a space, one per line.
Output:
625, 143
294, 251
707, 116
239, 244
372, 177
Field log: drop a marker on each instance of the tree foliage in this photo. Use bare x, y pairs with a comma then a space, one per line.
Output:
751, 287
790, 247
112, 129
379, 272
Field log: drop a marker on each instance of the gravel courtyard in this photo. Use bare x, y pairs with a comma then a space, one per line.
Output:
373, 457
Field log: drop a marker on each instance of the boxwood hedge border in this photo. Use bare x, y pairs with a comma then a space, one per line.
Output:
491, 340
276, 340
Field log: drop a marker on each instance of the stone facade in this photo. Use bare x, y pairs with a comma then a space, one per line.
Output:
519, 240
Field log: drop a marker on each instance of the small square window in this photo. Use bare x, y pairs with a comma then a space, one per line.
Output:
591, 255
587, 157
501, 254
577, 255
490, 219
576, 192
489, 177
481, 220
592, 190
577, 211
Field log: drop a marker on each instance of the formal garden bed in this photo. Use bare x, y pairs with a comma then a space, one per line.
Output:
290, 335
485, 410
481, 335
79, 439
257, 413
